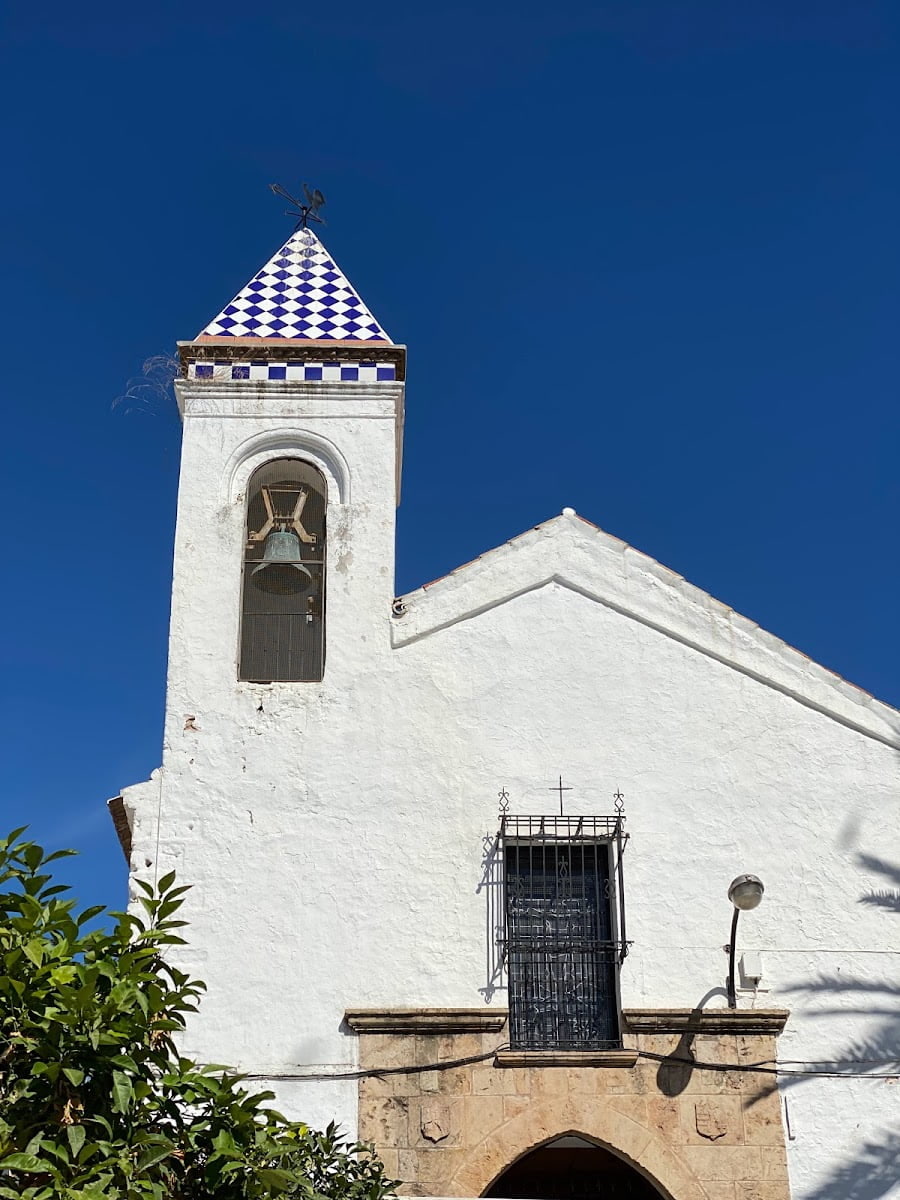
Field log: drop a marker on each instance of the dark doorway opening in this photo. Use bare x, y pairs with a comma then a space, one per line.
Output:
572, 1168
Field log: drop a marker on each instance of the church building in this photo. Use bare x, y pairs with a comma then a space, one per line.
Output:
637, 978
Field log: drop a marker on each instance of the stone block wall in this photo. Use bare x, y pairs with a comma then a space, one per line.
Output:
696, 1133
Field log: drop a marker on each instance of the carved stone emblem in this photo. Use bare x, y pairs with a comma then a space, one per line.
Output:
435, 1125
433, 1131
710, 1120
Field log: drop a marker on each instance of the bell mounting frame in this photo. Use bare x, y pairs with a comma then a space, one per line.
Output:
286, 523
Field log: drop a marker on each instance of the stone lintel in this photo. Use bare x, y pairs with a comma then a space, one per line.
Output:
566, 1058
425, 1020
706, 1020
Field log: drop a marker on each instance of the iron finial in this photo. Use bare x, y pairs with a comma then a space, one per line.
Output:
304, 212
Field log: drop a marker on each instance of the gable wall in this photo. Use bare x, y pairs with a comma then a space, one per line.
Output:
336, 837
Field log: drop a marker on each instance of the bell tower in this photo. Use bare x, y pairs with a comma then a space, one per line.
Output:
280, 640
292, 402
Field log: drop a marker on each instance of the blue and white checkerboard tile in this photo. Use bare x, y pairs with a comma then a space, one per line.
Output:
299, 293
335, 372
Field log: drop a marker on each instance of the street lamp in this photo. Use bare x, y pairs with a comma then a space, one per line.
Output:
745, 893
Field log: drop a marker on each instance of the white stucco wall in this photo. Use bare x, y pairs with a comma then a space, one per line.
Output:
334, 832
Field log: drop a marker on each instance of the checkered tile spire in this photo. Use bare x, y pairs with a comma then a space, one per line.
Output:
300, 293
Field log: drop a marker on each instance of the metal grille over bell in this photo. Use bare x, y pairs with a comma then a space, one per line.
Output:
283, 606
281, 573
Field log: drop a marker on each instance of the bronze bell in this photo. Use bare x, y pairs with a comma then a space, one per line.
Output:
279, 572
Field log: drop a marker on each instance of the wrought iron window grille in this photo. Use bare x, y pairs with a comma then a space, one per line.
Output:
564, 929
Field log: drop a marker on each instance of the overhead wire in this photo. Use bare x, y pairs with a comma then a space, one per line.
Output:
764, 1067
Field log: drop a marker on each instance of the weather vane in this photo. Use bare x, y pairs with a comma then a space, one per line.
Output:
304, 212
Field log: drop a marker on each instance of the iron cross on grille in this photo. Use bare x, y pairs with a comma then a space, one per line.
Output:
559, 788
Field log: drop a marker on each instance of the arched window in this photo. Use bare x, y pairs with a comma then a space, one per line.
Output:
283, 600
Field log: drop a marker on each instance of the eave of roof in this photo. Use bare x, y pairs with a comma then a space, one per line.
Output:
119, 814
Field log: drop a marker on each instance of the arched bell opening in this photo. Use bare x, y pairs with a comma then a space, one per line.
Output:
283, 592
572, 1168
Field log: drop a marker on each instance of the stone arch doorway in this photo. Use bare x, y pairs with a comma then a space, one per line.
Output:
572, 1168
545, 1120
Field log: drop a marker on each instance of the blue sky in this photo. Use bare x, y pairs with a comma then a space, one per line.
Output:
645, 256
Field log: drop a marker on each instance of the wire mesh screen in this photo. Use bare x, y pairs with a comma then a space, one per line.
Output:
283, 603
561, 953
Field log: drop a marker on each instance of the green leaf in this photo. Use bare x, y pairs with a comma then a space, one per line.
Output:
49, 858
166, 882
34, 1146
74, 1075
34, 950
97, 1119
154, 1154
90, 913
225, 1145
33, 855
63, 975
76, 1135
24, 1162
126, 1063
277, 1181
122, 1092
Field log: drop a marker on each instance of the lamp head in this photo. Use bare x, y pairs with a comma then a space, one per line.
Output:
745, 892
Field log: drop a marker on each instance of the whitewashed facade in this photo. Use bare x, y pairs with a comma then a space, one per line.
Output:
335, 832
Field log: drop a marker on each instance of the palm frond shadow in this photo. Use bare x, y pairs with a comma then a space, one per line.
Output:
883, 899
838, 983
872, 1172
879, 866
871, 1175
